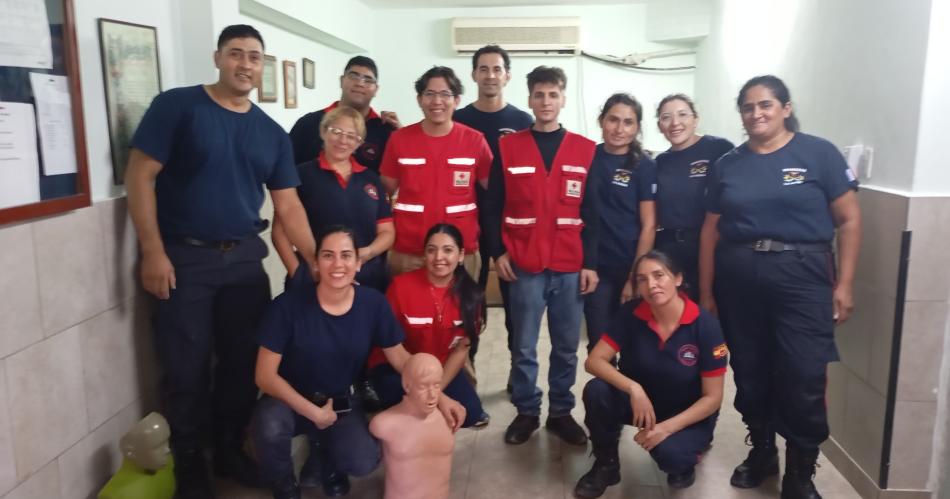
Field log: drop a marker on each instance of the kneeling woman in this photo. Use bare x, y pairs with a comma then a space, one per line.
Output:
441, 309
669, 384
314, 341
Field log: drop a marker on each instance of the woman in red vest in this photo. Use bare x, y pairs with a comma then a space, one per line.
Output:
441, 309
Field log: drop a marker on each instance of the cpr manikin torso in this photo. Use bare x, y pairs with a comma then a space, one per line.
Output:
146, 471
417, 442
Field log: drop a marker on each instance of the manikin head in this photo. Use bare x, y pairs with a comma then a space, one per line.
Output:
422, 381
146, 443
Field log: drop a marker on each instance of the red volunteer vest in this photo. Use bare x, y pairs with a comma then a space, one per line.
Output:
437, 177
541, 225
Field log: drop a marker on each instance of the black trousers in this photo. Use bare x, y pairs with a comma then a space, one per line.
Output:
601, 305
777, 315
503, 286
215, 309
683, 248
608, 409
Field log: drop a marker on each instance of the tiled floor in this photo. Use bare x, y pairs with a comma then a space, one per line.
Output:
485, 467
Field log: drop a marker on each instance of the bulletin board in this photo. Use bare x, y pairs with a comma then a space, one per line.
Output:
43, 167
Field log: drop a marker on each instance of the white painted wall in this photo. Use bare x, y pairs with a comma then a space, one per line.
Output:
855, 69
410, 41
931, 175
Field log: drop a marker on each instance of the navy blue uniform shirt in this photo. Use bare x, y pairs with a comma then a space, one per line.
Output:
323, 352
681, 182
358, 203
621, 187
783, 195
307, 144
670, 372
214, 163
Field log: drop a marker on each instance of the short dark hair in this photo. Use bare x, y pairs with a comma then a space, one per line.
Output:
329, 230
680, 97
547, 74
491, 49
779, 91
663, 259
239, 31
440, 72
362, 60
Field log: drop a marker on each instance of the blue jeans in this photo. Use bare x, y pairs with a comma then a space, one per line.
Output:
530, 294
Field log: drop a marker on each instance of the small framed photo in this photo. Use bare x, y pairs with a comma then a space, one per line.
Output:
290, 85
267, 90
308, 73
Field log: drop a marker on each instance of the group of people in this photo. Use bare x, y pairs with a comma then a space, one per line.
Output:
387, 233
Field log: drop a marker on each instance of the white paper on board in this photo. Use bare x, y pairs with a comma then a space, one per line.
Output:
19, 164
55, 120
24, 34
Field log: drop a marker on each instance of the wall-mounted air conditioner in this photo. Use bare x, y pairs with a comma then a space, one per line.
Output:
518, 35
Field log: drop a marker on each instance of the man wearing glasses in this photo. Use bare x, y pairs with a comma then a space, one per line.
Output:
435, 164
359, 85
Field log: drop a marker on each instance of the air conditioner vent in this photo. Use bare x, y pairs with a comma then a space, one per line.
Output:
519, 36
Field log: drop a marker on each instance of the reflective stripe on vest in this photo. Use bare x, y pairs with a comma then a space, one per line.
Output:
574, 169
411, 161
460, 208
462, 161
418, 321
520, 221
519, 170
416, 208
569, 221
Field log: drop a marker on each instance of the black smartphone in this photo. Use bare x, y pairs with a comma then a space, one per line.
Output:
341, 404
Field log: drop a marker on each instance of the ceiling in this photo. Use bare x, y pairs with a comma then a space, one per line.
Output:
440, 4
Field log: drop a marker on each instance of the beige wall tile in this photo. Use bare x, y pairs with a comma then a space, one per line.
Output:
885, 216
49, 415
844, 464
879, 309
922, 350
88, 465
836, 395
929, 274
912, 445
870, 314
20, 321
121, 250
7, 463
863, 435
110, 375
42, 485
70, 267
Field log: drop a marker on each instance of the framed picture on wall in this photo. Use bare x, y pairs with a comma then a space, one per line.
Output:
308, 73
131, 78
290, 84
267, 90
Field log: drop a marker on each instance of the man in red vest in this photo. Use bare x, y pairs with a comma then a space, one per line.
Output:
547, 251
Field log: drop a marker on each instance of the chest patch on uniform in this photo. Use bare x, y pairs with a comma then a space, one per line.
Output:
720, 351
572, 188
621, 178
368, 152
793, 176
688, 355
462, 179
698, 169
371, 191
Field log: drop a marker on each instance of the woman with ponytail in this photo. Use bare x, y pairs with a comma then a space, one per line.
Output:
627, 178
441, 309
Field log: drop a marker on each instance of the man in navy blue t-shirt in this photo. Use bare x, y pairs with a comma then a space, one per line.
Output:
194, 180
491, 115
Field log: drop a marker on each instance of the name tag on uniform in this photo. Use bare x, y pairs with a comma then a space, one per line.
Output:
462, 179
573, 188
698, 169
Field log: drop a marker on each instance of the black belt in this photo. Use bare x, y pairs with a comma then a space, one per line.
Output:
779, 246
218, 245
679, 235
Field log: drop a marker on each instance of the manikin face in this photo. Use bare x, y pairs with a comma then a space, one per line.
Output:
422, 381
359, 86
146, 444
437, 101
677, 122
240, 63
490, 75
763, 116
337, 262
442, 256
546, 101
340, 139
655, 283
620, 126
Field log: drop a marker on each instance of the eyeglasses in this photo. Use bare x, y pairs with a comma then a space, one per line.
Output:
430, 95
354, 77
682, 116
342, 134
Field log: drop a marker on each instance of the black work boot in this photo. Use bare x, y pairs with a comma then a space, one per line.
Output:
286, 488
799, 471
191, 475
604, 473
230, 461
762, 460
